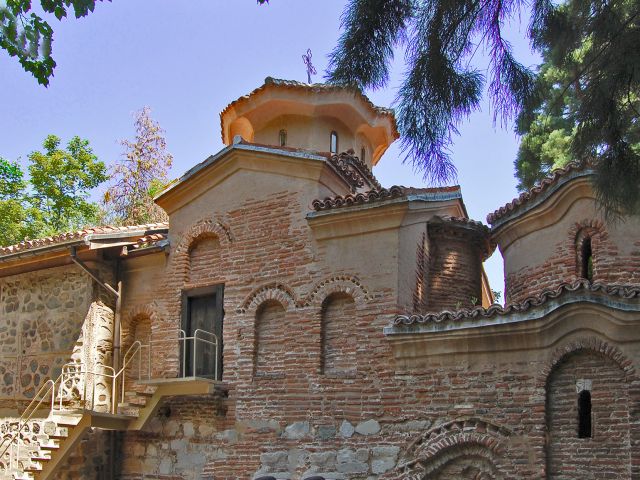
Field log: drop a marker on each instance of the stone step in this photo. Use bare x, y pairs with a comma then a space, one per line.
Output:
60, 434
41, 458
66, 420
22, 476
34, 467
49, 446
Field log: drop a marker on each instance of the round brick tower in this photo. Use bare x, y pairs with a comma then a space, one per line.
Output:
457, 248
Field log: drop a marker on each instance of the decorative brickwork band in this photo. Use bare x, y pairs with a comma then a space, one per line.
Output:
592, 344
350, 285
272, 291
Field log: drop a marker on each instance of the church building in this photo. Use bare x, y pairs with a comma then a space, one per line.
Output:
295, 319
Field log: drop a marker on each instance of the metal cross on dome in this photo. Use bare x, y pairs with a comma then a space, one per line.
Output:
311, 70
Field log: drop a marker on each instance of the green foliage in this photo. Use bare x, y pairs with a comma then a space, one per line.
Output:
61, 180
54, 199
12, 212
27, 36
587, 104
139, 176
439, 88
583, 104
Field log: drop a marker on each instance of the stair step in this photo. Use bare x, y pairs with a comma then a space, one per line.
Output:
66, 420
40, 458
49, 447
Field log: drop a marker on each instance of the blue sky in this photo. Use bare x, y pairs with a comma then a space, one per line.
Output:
188, 60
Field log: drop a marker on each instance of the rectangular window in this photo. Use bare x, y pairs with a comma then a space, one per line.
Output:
202, 316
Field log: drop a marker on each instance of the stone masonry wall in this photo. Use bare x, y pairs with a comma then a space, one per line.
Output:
41, 319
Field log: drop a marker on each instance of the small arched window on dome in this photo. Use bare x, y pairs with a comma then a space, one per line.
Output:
282, 138
363, 154
333, 143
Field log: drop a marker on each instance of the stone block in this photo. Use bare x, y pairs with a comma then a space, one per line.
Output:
346, 429
326, 432
275, 461
383, 459
297, 430
368, 427
187, 429
323, 460
348, 462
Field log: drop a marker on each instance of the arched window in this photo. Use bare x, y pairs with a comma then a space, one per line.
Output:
586, 257
333, 145
339, 340
282, 137
363, 154
584, 414
270, 345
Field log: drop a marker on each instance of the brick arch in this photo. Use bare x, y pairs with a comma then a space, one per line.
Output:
207, 228
462, 439
137, 312
273, 291
204, 228
345, 284
591, 226
593, 229
593, 344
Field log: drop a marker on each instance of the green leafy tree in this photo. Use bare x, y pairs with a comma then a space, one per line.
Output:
61, 180
139, 175
13, 224
55, 196
587, 103
28, 37
440, 89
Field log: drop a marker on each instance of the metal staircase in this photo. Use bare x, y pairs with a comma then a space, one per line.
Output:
79, 399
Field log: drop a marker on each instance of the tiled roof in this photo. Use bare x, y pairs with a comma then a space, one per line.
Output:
376, 195
312, 87
354, 171
80, 235
538, 189
626, 292
468, 222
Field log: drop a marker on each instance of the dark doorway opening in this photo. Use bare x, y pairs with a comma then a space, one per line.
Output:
202, 318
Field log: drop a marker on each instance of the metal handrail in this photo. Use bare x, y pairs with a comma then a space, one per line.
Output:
74, 374
48, 386
196, 338
195, 346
